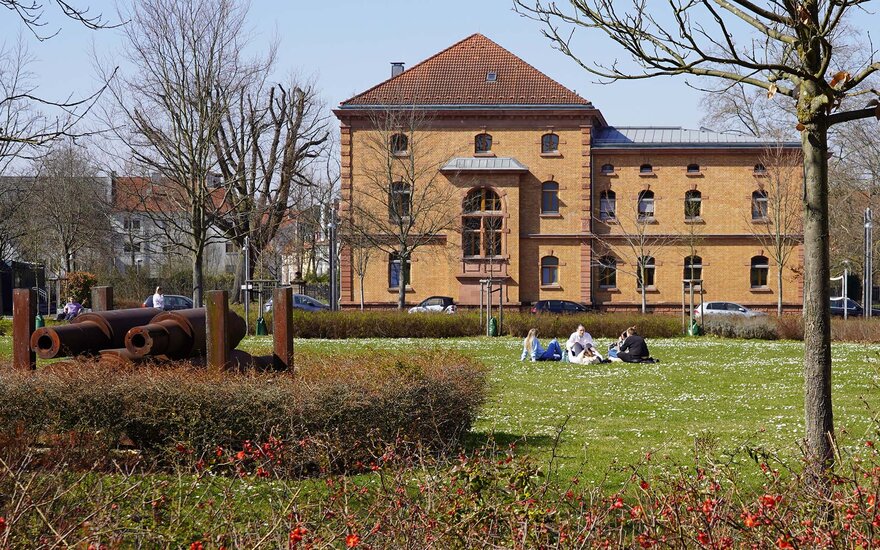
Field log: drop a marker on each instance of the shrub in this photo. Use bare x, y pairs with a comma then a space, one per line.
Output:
79, 285
791, 327
761, 328
599, 325
354, 403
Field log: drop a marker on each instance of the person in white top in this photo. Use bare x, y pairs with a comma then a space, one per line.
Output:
159, 299
580, 347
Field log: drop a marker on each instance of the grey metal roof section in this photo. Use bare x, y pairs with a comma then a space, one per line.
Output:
670, 137
484, 164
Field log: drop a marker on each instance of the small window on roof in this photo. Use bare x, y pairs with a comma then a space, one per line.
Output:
491, 76
693, 168
607, 168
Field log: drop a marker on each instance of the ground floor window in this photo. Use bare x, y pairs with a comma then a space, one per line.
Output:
549, 270
760, 270
395, 271
607, 272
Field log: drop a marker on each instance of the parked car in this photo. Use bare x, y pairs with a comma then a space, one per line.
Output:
559, 306
853, 309
301, 301
435, 304
726, 308
173, 302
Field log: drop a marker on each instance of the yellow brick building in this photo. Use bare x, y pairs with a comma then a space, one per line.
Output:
541, 193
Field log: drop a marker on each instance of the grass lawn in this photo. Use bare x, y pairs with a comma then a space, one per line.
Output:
726, 393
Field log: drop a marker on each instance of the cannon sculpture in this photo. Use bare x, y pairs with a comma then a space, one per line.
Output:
89, 333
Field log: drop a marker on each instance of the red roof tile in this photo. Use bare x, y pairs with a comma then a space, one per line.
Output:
457, 76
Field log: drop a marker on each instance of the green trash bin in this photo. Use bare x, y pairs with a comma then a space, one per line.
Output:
493, 327
39, 321
262, 330
694, 329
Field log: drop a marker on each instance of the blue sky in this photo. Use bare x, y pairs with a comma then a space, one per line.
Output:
347, 46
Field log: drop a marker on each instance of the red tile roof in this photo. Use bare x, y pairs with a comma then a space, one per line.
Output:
458, 76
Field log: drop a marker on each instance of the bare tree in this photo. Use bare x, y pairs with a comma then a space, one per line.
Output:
775, 217
186, 64
32, 14
70, 202
629, 232
265, 144
786, 51
405, 202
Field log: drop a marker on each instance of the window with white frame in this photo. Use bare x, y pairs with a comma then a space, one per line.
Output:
646, 205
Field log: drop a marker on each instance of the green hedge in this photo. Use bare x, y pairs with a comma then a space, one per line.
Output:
355, 403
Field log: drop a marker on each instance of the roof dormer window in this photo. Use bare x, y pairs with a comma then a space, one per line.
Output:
491, 76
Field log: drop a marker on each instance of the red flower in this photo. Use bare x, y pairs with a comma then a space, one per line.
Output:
703, 538
352, 540
2, 524
782, 542
769, 501
197, 545
645, 485
297, 535
240, 455
618, 503
751, 520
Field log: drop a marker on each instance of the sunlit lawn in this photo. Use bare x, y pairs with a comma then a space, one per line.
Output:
734, 392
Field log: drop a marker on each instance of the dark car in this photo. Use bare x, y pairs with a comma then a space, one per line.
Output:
853, 309
435, 304
173, 302
559, 306
301, 301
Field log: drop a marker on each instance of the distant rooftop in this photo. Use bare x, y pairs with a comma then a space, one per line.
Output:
475, 72
653, 137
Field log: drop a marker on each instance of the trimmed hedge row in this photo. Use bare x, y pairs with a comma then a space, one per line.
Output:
394, 324
356, 404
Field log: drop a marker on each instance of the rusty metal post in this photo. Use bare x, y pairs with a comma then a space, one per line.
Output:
282, 328
102, 298
24, 319
217, 317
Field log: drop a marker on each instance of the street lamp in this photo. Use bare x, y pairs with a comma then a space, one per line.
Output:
868, 283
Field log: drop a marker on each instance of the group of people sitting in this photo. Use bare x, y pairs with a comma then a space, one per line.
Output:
629, 348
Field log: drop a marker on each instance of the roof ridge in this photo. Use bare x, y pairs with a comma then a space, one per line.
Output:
422, 62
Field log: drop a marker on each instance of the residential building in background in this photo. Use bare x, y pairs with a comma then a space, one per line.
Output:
556, 203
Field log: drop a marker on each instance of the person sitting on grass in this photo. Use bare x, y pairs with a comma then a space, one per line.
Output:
532, 348
579, 341
633, 349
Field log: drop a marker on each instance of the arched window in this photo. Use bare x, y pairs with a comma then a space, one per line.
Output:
646, 269
399, 144
483, 143
693, 269
607, 272
760, 270
607, 205
693, 168
646, 169
646, 205
549, 197
607, 169
760, 205
549, 143
396, 273
693, 202
549, 270
482, 224
760, 169
399, 200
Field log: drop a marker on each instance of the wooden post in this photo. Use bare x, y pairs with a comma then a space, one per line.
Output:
102, 298
24, 315
282, 328
217, 313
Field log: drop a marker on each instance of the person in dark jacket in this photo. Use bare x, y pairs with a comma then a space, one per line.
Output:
633, 349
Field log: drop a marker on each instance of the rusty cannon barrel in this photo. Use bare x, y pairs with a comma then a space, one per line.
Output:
89, 332
179, 334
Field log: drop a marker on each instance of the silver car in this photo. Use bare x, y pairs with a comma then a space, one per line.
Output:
725, 308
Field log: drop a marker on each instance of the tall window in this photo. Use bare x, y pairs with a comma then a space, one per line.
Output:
693, 269
760, 270
759, 205
399, 144
399, 200
549, 143
646, 205
607, 205
693, 202
482, 224
483, 143
549, 197
395, 271
646, 266
549, 270
607, 272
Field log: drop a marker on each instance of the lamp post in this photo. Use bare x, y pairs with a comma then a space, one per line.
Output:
868, 283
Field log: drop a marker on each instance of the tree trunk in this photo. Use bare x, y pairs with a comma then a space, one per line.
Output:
197, 277
817, 326
362, 291
404, 278
235, 295
779, 269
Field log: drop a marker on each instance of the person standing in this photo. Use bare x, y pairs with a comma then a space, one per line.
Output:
159, 299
